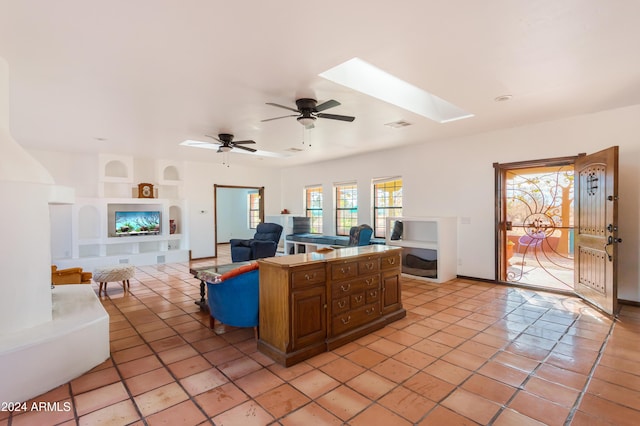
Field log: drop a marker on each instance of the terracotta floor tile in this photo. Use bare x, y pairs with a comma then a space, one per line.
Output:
43, 417
184, 414
429, 386
121, 413
407, 403
508, 417
478, 349
552, 391
503, 373
446, 339
342, 369
561, 376
160, 399
386, 347
414, 358
139, 366
189, 366
290, 373
311, 415
239, 367
371, 385
258, 382
420, 330
431, 348
471, 405
343, 402
131, 354
100, 398
147, 381
220, 399
579, 363
167, 343
177, 354
464, 359
151, 336
314, 383
608, 411
627, 380
539, 409
376, 415
246, 414
282, 400
203, 381
516, 361
490, 389
395, 370
365, 357
94, 380
448, 372
440, 416
223, 355
209, 344
615, 393
629, 366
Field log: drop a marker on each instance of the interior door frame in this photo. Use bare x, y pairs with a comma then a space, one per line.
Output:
215, 206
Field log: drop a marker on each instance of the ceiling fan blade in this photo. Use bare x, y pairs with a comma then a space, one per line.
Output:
326, 105
245, 148
278, 118
242, 142
214, 137
282, 106
337, 117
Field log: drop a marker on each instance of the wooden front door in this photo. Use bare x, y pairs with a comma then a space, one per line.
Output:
596, 225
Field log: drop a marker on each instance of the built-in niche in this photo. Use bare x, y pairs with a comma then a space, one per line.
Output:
89, 222
116, 169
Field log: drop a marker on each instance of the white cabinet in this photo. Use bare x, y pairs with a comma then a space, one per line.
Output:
430, 246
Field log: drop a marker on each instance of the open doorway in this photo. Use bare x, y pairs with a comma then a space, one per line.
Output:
238, 210
556, 225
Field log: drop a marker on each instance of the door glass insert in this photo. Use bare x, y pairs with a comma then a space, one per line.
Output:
539, 226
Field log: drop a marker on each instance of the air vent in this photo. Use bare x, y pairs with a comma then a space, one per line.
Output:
293, 149
397, 124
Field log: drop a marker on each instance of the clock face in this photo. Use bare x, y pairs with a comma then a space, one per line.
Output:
146, 191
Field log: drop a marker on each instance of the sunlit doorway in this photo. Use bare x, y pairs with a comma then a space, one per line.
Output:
538, 232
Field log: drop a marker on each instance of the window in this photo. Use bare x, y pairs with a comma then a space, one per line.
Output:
254, 210
346, 208
313, 207
387, 202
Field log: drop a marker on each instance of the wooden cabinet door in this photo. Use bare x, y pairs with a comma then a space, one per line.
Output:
308, 316
391, 292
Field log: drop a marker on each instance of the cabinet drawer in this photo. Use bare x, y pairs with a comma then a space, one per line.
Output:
354, 318
340, 305
369, 266
344, 288
371, 282
357, 300
372, 295
307, 277
340, 271
390, 262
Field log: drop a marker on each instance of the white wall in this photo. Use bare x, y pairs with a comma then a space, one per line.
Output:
456, 178
233, 214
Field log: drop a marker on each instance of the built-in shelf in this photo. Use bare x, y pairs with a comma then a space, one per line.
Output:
430, 246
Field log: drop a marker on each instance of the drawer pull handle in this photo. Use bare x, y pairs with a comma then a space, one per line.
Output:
310, 276
370, 281
369, 265
342, 304
392, 260
345, 288
374, 293
345, 270
359, 298
347, 320
370, 311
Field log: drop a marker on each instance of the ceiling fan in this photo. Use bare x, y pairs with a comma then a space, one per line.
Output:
226, 142
308, 111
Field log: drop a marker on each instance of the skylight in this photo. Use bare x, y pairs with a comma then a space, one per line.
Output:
364, 77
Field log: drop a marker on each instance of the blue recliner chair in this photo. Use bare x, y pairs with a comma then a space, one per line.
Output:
263, 244
233, 298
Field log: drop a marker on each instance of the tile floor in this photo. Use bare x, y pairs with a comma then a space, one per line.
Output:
467, 353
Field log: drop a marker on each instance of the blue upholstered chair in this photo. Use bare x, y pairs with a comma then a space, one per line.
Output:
360, 235
234, 299
263, 244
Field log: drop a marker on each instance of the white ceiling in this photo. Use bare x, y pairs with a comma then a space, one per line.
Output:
147, 74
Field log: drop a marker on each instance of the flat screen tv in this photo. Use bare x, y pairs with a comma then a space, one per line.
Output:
137, 223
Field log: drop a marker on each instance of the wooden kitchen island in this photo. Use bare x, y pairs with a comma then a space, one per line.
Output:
314, 302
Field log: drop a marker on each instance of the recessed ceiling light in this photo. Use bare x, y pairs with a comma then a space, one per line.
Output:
503, 98
370, 80
100, 139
